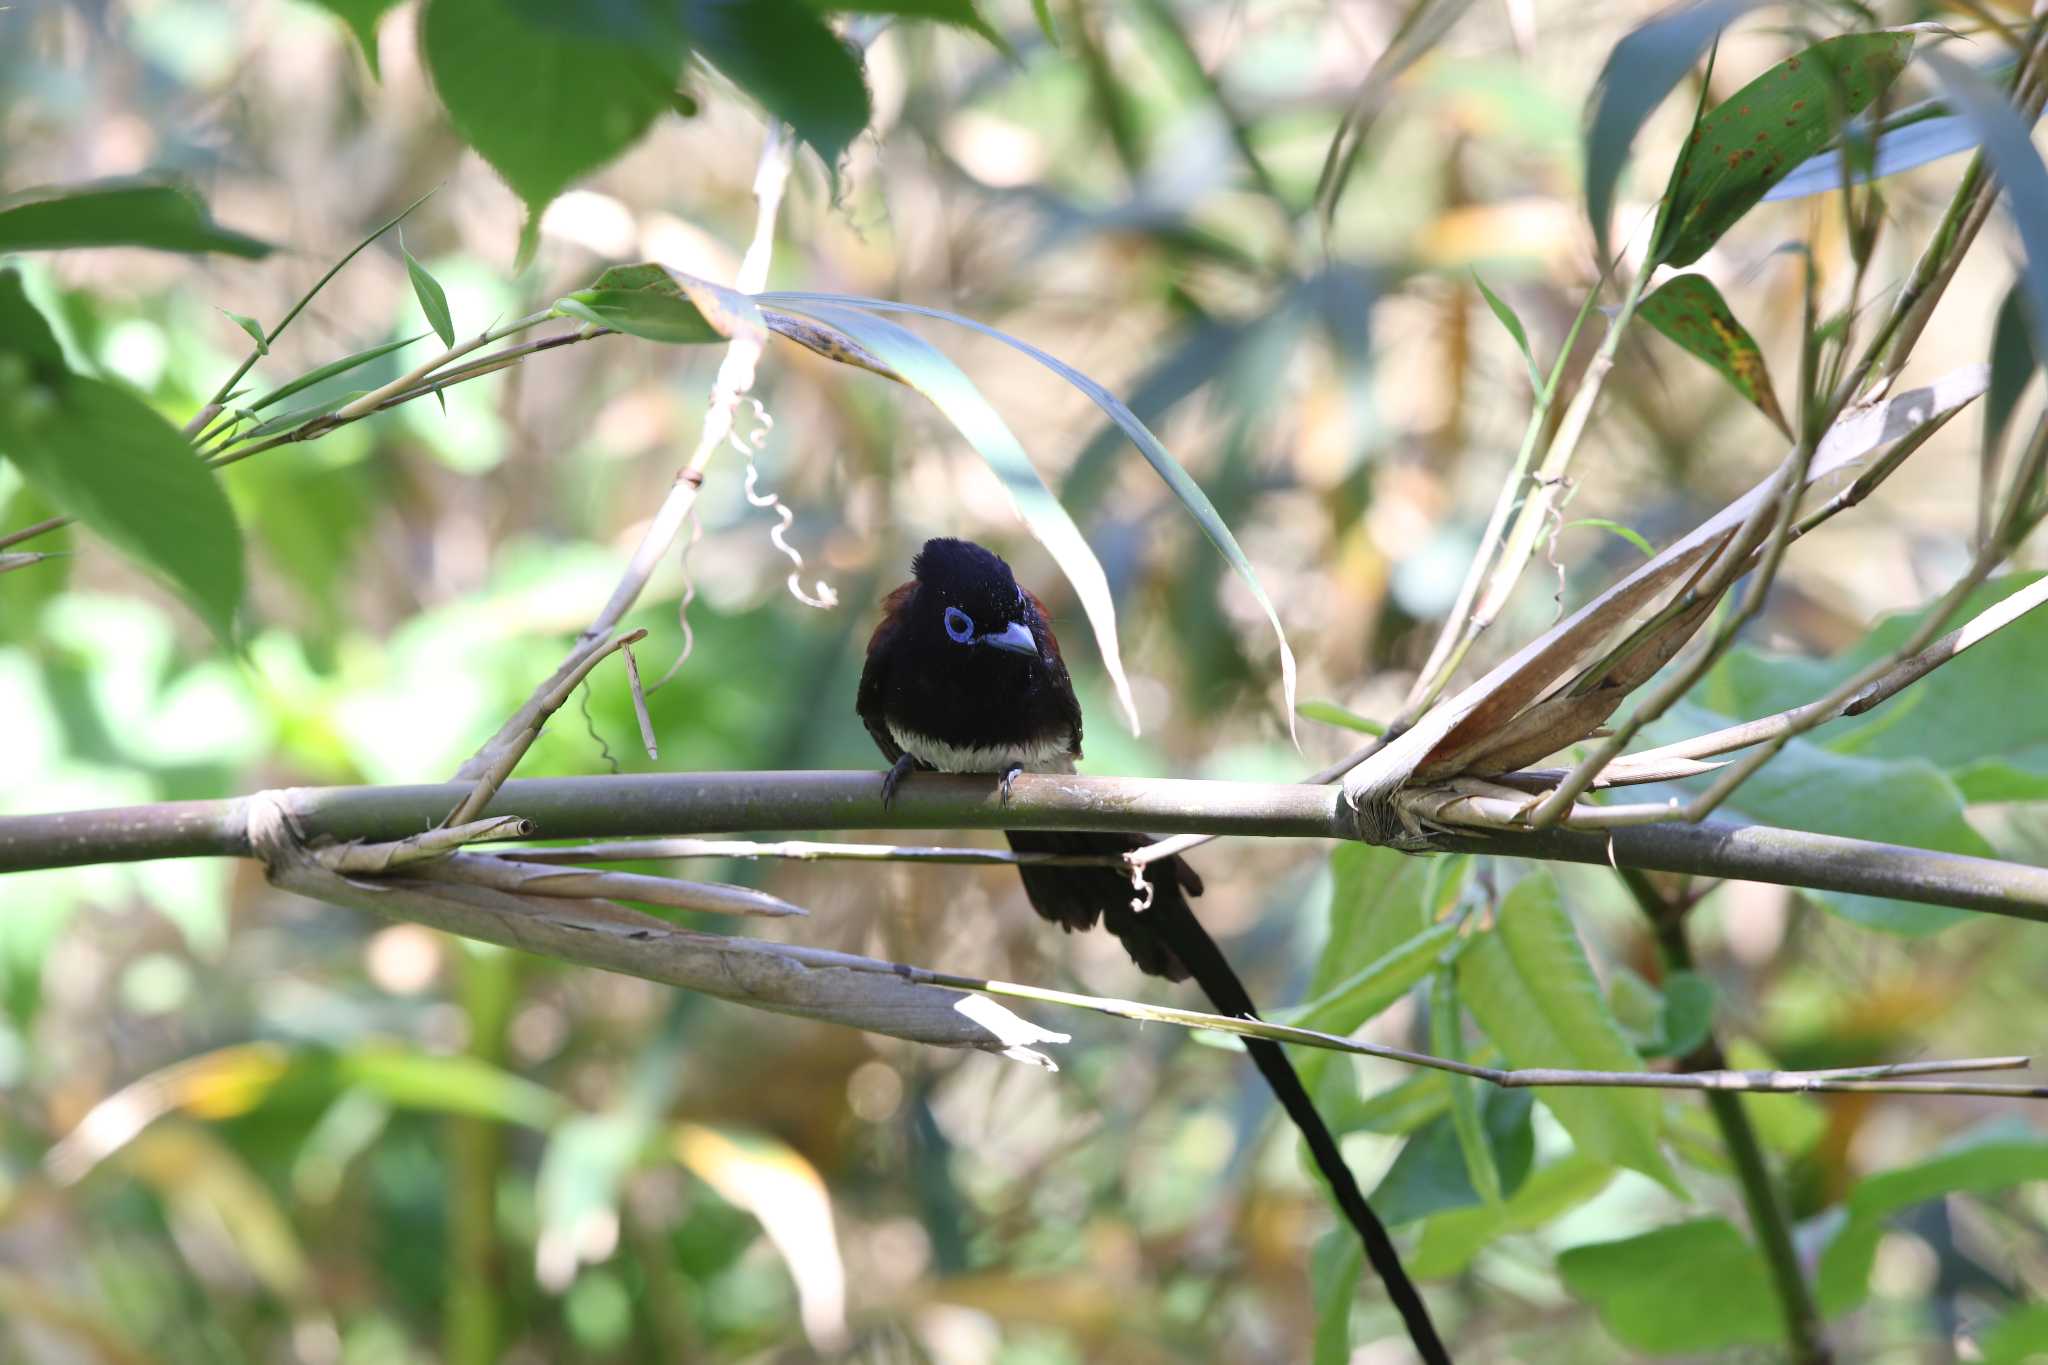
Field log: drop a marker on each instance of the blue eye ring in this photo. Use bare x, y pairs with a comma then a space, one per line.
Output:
959, 626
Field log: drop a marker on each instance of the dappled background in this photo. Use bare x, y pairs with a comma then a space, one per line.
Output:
369, 1142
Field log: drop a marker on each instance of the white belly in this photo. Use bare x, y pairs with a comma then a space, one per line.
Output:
1047, 756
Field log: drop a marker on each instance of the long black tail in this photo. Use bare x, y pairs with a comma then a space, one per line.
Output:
1168, 940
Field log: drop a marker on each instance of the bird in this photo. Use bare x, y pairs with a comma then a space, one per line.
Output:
964, 675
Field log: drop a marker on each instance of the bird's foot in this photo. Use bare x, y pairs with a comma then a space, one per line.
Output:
898, 770
1009, 780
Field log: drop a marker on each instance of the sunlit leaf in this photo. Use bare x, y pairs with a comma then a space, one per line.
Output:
658, 304
1761, 133
1530, 987
545, 107
927, 370
1692, 1287
1169, 469
1513, 323
1373, 987
1691, 312
362, 17
118, 213
433, 300
782, 54
1042, 11
1643, 68
2009, 148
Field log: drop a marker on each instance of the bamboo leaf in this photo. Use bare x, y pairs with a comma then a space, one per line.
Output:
653, 302
433, 300
2009, 147
1690, 311
329, 371
1530, 987
924, 368
1899, 149
1513, 323
1761, 133
118, 213
1431, 1173
1640, 72
251, 326
1628, 534
1329, 713
1183, 485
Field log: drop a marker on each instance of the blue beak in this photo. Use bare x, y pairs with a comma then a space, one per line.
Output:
1015, 637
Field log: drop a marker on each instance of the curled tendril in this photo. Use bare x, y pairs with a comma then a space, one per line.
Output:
683, 607
1141, 889
824, 597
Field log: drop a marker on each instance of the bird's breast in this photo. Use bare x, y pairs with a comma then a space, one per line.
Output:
1052, 753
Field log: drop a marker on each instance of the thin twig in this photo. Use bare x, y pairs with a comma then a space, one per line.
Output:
800, 850
1870, 1079
735, 378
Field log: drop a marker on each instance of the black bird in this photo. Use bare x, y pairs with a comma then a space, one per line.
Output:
964, 675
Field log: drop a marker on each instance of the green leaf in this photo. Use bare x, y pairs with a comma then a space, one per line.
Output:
1688, 1014
1451, 1239
329, 371
1333, 1270
1697, 1286
1639, 73
1192, 498
298, 417
1977, 719
1900, 148
1530, 987
1999, 1156
118, 213
251, 326
779, 52
433, 300
1375, 986
1329, 713
2009, 148
1509, 320
1761, 133
2017, 1338
1042, 11
1628, 534
543, 106
1430, 1174
25, 332
1447, 1040
1691, 312
450, 1085
926, 369
107, 458
2013, 365
651, 301
1906, 800
1380, 900
958, 13
361, 16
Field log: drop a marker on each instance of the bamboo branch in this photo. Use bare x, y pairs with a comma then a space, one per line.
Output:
640, 804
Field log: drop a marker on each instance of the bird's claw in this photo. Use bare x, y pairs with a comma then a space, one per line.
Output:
1009, 780
898, 770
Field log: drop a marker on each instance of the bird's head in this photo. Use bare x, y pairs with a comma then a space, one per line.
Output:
967, 605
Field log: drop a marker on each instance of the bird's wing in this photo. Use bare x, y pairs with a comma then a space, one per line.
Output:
874, 675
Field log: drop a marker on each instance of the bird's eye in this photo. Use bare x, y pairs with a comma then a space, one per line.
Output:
959, 625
